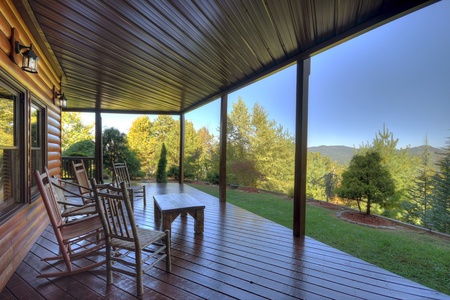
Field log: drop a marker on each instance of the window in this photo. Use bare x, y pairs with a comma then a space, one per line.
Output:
9, 151
36, 143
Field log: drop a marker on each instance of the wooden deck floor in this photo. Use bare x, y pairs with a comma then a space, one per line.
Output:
239, 256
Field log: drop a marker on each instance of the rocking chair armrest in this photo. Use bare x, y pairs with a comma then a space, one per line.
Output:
72, 204
80, 207
72, 193
91, 225
66, 182
77, 222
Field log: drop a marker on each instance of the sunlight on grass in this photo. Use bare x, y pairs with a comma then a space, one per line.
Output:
421, 257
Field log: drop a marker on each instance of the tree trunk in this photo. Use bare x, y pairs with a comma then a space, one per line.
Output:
368, 207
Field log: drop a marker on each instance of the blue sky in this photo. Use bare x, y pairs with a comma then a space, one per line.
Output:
397, 76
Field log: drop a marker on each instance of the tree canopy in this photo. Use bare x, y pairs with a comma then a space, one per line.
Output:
367, 180
115, 149
84, 148
73, 130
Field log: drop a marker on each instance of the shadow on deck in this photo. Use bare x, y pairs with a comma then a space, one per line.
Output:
240, 255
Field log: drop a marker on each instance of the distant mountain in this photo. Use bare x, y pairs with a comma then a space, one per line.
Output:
340, 154
343, 154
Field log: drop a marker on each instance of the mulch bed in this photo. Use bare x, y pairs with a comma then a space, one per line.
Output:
362, 218
249, 190
327, 205
355, 216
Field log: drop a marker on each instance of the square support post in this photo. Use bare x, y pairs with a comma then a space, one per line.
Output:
98, 147
182, 147
301, 146
223, 149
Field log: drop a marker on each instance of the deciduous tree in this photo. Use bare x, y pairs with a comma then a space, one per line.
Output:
73, 130
141, 142
115, 149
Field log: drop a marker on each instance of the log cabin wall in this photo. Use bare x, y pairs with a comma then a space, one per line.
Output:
20, 229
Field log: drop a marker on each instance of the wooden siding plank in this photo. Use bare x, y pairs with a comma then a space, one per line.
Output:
5, 28
14, 19
5, 44
20, 242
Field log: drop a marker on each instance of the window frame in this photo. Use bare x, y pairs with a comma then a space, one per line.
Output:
19, 176
42, 147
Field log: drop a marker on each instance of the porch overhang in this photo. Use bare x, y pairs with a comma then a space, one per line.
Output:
169, 57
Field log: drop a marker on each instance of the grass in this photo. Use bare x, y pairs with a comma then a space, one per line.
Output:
421, 257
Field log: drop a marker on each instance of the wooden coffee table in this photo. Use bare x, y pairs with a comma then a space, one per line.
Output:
170, 206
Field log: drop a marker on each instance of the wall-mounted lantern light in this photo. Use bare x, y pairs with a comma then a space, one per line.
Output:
30, 59
59, 98
62, 100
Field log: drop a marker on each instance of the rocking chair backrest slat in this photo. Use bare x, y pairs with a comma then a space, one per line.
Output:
121, 174
57, 193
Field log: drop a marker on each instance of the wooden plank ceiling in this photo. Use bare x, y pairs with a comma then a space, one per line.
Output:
172, 56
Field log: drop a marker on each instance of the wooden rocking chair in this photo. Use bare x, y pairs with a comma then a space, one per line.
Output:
123, 236
76, 239
120, 174
83, 182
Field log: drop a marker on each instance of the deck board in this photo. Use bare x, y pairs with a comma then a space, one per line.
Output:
239, 256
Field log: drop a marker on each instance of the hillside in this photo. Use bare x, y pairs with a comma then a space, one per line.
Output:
343, 154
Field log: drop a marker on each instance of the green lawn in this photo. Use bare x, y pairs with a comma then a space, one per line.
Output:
421, 257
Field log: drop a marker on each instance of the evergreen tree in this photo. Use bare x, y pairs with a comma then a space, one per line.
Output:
161, 172
367, 180
439, 215
238, 130
330, 180
193, 157
318, 166
416, 204
272, 151
400, 164
209, 151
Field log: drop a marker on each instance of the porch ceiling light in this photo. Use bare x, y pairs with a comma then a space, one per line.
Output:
30, 59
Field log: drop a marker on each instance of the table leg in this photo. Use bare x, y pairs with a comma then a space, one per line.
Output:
167, 219
199, 221
157, 212
166, 222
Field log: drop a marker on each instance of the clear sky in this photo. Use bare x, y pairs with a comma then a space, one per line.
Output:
397, 75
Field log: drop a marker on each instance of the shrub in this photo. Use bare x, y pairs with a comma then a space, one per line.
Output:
84, 148
161, 172
212, 177
173, 172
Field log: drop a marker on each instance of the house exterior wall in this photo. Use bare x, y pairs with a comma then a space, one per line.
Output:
20, 230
